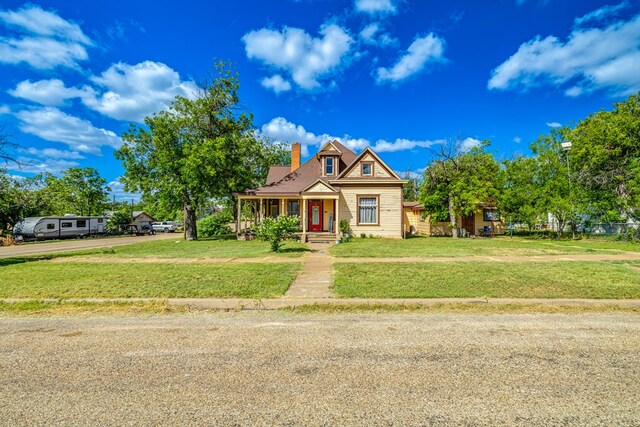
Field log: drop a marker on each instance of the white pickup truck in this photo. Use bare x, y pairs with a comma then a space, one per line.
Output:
164, 226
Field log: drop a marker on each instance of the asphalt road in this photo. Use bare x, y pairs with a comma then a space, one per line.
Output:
274, 368
43, 248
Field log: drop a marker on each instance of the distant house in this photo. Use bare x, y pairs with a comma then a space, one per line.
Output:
486, 215
139, 218
142, 218
335, 184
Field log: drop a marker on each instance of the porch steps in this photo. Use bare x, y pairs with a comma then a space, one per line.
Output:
321, 237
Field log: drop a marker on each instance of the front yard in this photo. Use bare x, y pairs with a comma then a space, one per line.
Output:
205, 248
498, 246
551, 279
49, 279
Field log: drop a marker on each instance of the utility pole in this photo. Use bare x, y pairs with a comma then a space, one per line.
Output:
566, 147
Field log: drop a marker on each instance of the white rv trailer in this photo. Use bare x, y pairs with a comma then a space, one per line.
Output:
59, 227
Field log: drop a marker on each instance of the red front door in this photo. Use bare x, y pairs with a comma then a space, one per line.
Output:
315, 216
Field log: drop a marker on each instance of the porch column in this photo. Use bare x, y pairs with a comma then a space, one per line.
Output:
261, 217
282, 205
238, 215
304, 220
336, 217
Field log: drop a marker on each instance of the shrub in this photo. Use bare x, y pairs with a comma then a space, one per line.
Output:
363, 235
277, 230
120, 217
215, 225
345, 231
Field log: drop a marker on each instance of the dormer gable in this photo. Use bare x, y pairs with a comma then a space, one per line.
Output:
329, 156
368, 165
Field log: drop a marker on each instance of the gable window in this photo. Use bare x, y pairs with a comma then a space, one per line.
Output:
367, 168
368, 210
328, 166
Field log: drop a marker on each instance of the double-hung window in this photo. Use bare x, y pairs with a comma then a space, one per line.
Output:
368, 210
328, 166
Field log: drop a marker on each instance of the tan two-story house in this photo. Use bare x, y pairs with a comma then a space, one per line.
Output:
333, 185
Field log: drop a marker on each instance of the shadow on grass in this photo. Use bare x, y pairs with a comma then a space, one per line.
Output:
4, 262
293, 250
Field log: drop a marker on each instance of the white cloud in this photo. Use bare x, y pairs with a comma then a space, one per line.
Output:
601, 14
517, 140
45, 40
276, 83
591, 59
46, 92
400, 144
54, 153
468, 144
307, 59
422, 51
376, 6
373, 35
31, 165
4, 109
281, 130
122, 92
80, 135
554, 124
132, 92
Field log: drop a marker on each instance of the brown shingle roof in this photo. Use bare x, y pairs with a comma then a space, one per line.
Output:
308, 173
277, 172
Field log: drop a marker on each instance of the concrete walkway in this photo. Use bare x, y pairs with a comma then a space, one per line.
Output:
316, 277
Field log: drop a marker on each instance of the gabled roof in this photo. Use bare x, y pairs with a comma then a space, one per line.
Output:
354, 163
306, 175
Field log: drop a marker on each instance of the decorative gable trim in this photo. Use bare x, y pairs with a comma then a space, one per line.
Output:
324, 147
319, 187
356, 163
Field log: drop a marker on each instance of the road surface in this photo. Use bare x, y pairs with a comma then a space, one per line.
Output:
276, 368
43, 248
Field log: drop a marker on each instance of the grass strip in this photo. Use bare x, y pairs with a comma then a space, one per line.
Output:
552, 279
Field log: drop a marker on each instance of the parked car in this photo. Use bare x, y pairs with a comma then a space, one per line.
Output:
164, 226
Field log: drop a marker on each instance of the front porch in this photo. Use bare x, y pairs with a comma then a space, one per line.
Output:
317, 214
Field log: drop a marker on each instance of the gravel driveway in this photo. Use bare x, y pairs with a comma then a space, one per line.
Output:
273, 368
42, 248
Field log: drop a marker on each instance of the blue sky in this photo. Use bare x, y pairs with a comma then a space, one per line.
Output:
399, 76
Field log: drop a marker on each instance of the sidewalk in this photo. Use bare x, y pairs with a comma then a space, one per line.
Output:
277, 303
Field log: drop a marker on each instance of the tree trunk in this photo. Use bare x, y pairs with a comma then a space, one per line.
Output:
454, 220
190, 230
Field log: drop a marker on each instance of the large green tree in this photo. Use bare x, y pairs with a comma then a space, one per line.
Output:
520, 194
22, 197
81, 191
456, 180
199, 148
605, 160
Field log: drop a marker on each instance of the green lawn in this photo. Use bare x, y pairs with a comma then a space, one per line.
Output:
554, 279
499, 246
178, 248
44, 279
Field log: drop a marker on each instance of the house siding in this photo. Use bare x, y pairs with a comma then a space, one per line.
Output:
379, 171
413, 218
389, 209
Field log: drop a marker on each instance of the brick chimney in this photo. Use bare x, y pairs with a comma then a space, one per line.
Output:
295, 156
